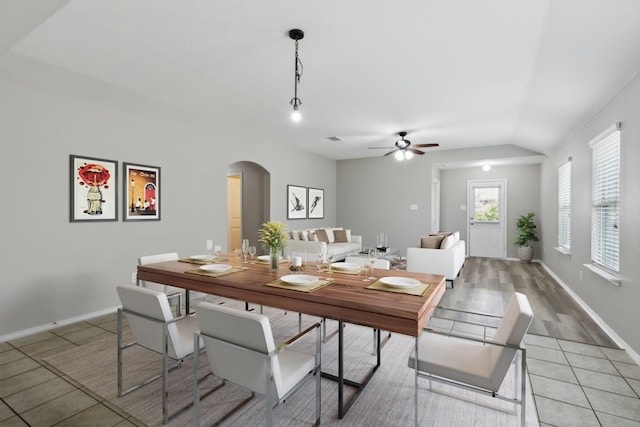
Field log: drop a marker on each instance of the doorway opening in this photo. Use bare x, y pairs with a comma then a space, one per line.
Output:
248, 202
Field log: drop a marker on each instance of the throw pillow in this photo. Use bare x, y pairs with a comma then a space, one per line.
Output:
321, 235
340, 235
441, 233
295, 234
431, 242
304, 235
448, 242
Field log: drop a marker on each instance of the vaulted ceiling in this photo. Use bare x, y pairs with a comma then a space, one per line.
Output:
461, 73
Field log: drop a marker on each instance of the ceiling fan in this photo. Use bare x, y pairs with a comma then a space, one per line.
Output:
404, 149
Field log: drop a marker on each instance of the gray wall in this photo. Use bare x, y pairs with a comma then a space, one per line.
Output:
54, 270
523, 196
374, 194
617, 306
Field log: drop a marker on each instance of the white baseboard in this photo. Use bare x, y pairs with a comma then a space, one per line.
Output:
615, 337
49, 326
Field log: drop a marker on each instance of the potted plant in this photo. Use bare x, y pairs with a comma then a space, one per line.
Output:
273, 237
526, 233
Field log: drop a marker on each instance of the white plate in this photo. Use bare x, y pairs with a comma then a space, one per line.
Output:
215, 268
400, 282
266, 258
299, 279
202, 257
345, 266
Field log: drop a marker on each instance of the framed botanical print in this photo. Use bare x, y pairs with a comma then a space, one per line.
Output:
316, 203
296, 202
93, 189
141, 187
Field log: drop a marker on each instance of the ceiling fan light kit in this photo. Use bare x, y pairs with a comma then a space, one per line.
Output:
403, 149
296, 35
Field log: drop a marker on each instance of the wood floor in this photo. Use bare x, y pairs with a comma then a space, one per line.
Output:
485, 285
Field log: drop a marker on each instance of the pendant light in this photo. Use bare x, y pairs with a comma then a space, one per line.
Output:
296, 116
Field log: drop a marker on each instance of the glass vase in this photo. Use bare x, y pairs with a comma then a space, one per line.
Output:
274, 260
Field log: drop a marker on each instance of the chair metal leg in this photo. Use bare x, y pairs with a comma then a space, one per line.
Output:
415, 397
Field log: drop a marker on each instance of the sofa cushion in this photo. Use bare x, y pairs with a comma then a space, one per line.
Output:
321, 235
295, 235
340, 236
431, 242
442, 233
448, 242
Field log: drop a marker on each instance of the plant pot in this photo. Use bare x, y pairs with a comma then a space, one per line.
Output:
274, 260
525, 253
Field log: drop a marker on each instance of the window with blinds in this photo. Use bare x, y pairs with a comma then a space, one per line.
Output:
564, 206
605, 199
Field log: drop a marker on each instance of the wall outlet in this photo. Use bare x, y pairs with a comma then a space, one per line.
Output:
134, 278
413, 207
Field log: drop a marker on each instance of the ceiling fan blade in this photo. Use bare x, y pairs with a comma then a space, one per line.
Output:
392, 151
381, 148
426, 145
413, 150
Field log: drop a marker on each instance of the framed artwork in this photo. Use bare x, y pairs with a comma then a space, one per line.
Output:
296, 202
93, 189
141, 185
316, 203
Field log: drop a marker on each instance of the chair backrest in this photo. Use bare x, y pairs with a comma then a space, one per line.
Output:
381, 263
514, 325
152, 259
238, 344
153, 304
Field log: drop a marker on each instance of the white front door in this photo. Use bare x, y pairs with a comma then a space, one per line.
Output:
487, 218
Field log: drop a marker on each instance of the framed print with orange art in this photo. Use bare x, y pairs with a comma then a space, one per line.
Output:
93, 189
141, 189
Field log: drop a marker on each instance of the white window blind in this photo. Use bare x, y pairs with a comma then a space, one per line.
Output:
564, 206
605, 199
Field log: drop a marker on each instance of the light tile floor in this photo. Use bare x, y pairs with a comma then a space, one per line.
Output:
577, 384
573, 384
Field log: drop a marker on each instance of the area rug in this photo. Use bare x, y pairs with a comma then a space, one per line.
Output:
388, 399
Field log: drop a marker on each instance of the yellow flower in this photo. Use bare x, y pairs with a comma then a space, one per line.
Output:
273, 235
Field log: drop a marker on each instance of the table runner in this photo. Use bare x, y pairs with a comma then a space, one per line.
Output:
211, 261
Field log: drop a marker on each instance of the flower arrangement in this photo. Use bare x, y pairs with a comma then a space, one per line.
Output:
273, 236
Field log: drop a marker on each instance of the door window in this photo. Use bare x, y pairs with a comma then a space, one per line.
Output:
486, 204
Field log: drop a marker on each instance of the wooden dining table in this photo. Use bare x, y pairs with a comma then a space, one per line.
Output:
345, 299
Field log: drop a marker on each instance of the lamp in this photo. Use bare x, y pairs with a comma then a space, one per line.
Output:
296, 35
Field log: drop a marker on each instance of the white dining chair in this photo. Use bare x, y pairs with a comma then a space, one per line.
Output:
240, 348
176, 295
153, 326
477, 363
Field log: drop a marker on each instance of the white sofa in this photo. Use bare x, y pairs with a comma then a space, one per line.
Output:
447, 260
307, 241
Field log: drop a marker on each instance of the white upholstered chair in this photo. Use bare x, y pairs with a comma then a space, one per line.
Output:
241, 349
153, 326
480, 363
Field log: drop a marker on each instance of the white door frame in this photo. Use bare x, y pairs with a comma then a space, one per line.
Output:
503, 211
435, 206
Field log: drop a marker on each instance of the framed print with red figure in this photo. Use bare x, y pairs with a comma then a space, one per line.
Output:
93, 189
141, 189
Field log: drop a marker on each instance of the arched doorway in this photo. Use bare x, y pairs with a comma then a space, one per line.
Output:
248, 202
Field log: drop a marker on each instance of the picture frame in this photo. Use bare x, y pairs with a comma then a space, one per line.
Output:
296, 202
141, 190
93, 191
316, 203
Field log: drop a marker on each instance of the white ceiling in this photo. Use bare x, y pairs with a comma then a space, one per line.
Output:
462, 73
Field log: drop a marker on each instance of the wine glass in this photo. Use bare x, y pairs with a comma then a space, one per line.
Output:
217, 249
245, 250
209, 246
319, 261
330, 261
372, 260
238, 254
252, 252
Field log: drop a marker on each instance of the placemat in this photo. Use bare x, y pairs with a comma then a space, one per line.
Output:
301, 288
212, 261
212, 274
418, 290
335, 270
